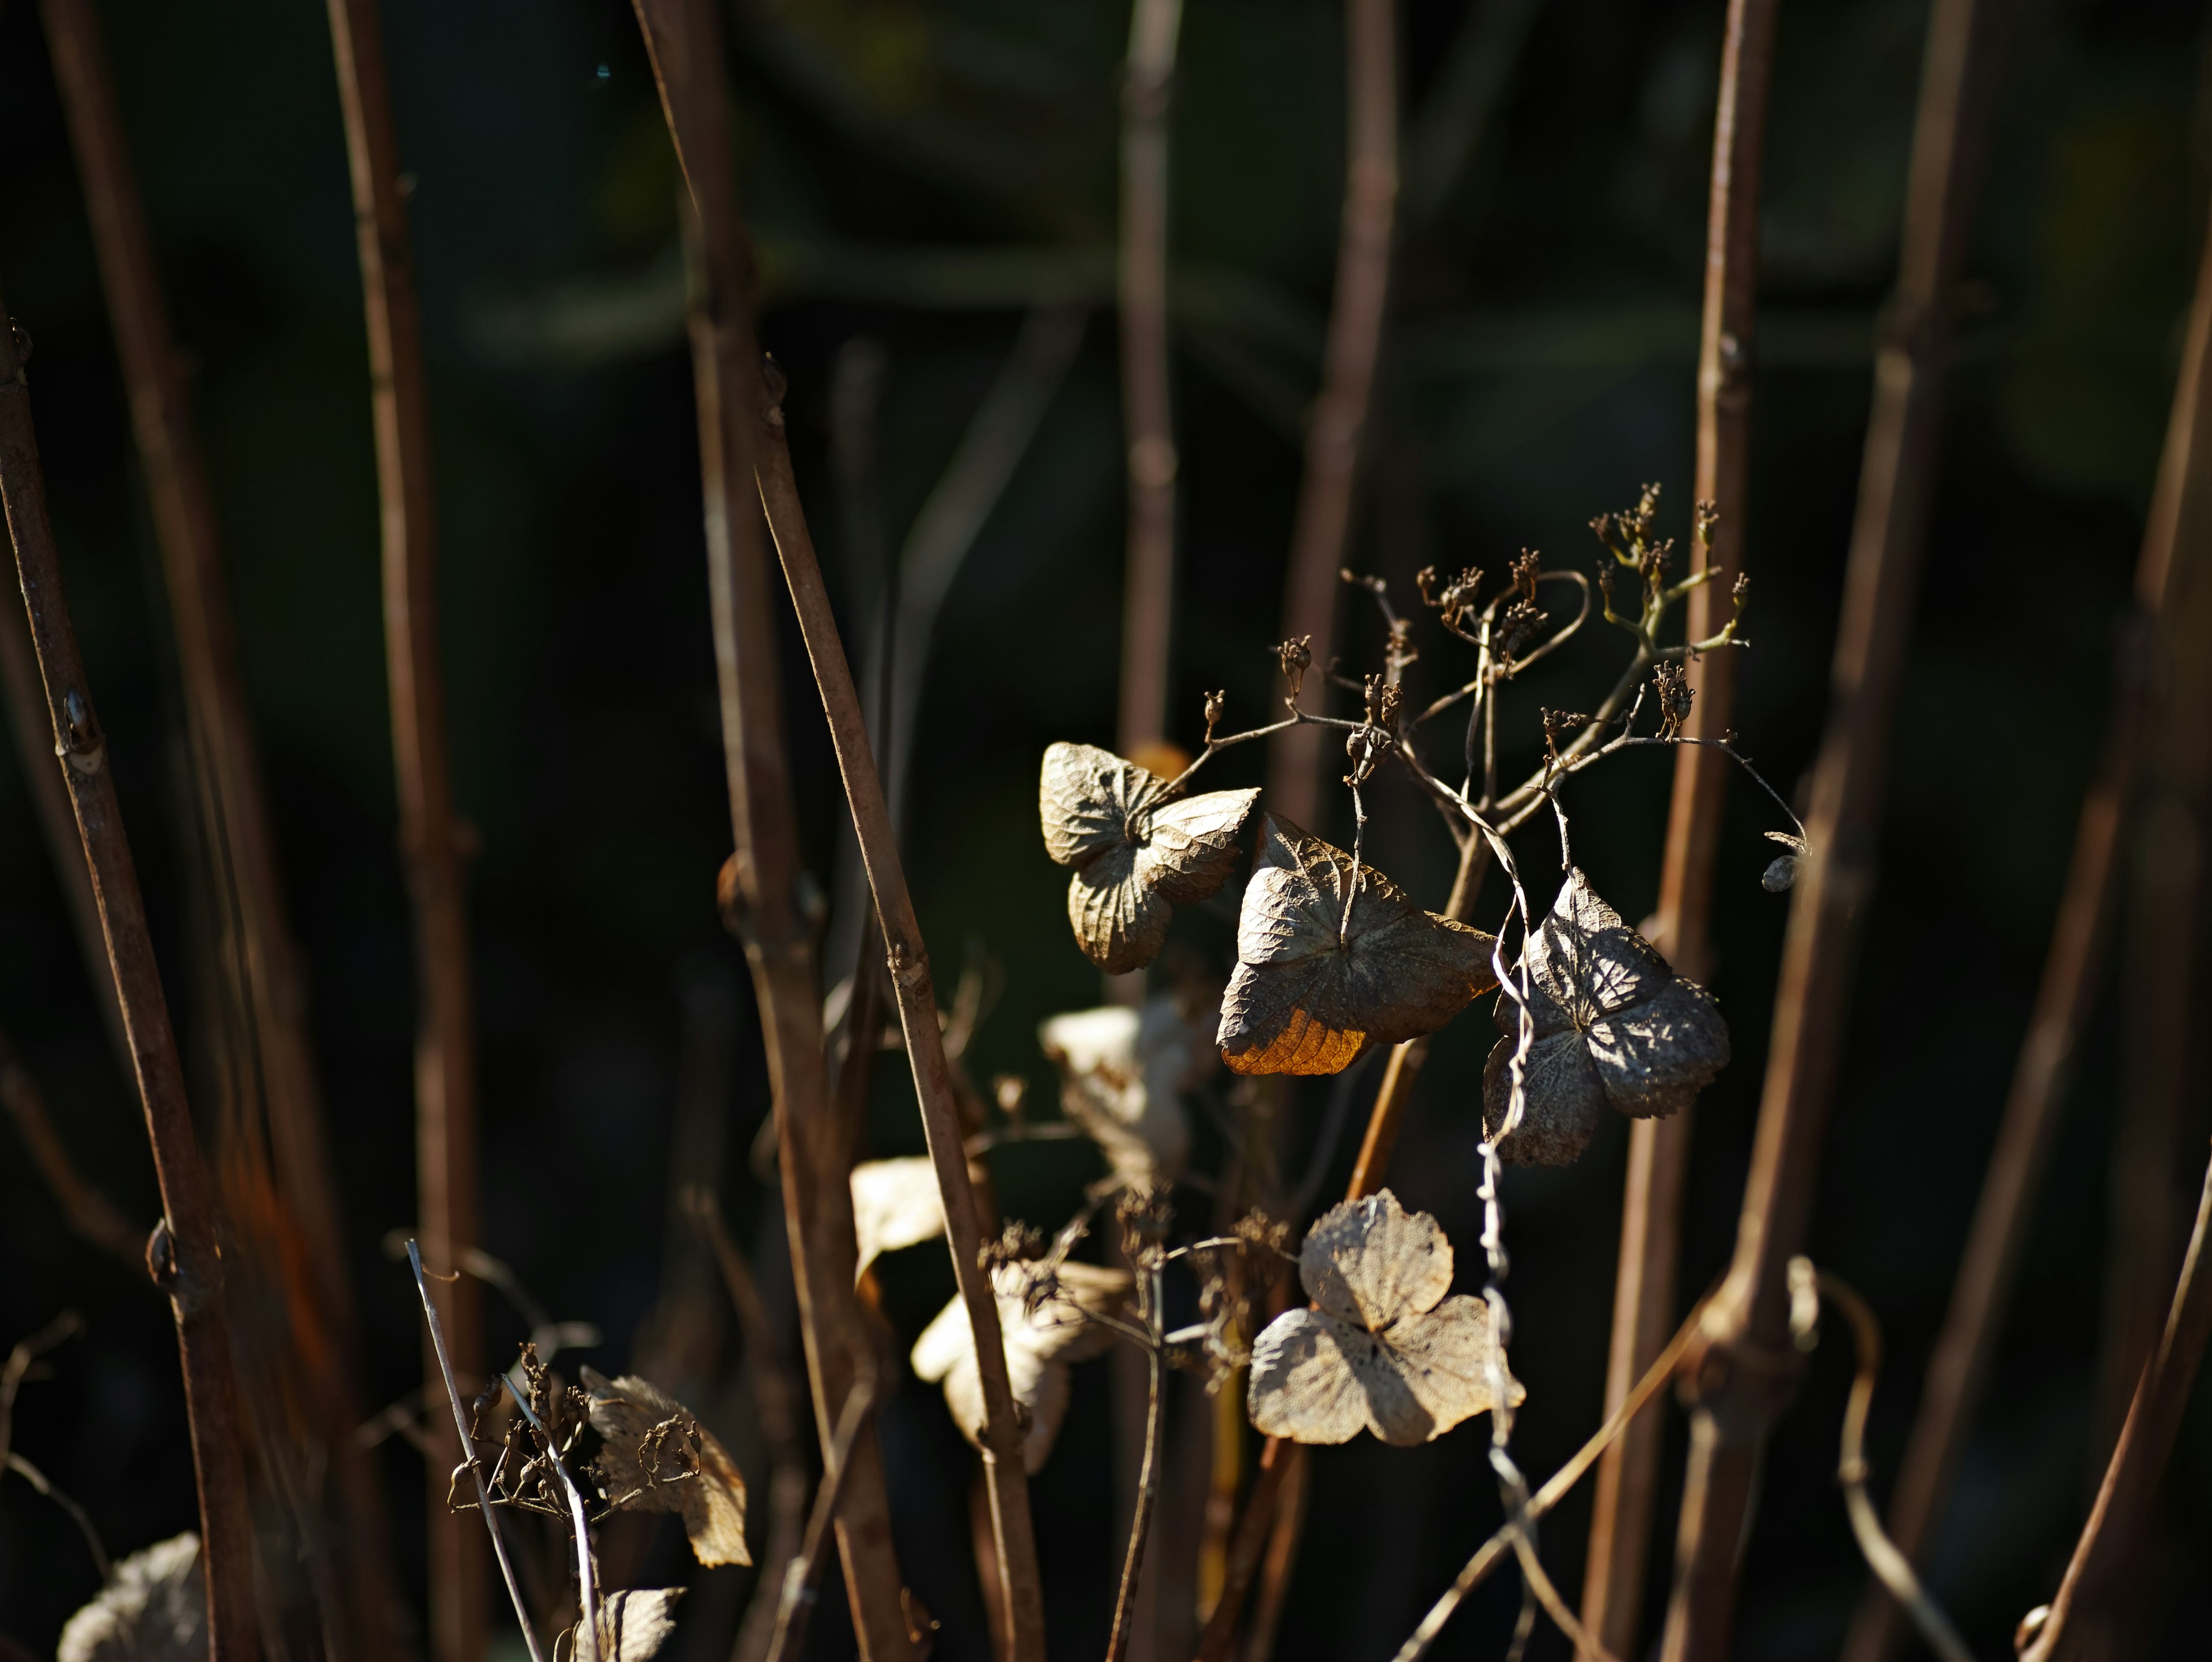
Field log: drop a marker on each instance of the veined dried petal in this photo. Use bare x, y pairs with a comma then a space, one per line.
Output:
153, 1609
1613, 1024
1315, 986
658, 1457
1122, 1073
896, 1203
1138, 854
634, 1624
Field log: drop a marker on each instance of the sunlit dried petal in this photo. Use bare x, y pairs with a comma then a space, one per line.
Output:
153, 1609
1370, 1261
658, 1457
1122, 1073
896, 1203
1312, 990
1613, 1024
1137, 853
634, 1625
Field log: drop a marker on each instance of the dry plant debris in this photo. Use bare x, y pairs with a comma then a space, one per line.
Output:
1045, 1311
1332, 957
1385, 1349
658, 1457
895, 1204
1122, 1073
634, 1625
1614, 1024
1138, 854
153, 1609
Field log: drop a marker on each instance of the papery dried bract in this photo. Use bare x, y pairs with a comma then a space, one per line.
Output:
658, 1457
1311, 993
1138, 854
1386, 1351
1044, 1317
153, 1609
896, 1203
1613, 1024
635, 1623
1122, 1073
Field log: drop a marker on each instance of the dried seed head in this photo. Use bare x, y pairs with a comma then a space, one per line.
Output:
1295, 658
1671, 683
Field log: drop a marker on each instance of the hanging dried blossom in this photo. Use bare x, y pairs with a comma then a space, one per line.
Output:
1328, 966
1614, 1024
896, 1203
658, 1457
152, 1609
1044, 1315
1137, 853
1385, 1350
1122, 1072
634, 1625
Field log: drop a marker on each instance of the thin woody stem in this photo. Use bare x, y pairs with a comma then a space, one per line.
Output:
682, 38
429, 842
182, 1255
1148, 1479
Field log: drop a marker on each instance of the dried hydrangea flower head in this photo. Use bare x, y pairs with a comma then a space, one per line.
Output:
896, 1203
1122, 1073
1138, 854
1044, 1313
1384, 1350
658, 1457
152, 1609
1614, 1024
1328, 965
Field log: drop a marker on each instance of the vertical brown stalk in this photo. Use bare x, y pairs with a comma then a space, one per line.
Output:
1743, 1370
182, 1254
1321, 535
243, 847
917, 1006
683, 40
429, 845
2175, 538
1658, 1149
2087, 1618
1147, 419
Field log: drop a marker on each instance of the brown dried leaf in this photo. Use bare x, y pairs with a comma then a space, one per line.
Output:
1137, 853
1044, 1316
896, 1203
1122, 1073
1309, 993
658, 1457
153, 1609
1615, 1025
634, 1624
1386, 1350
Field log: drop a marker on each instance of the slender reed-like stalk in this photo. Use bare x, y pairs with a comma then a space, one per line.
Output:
1321, 535
2083, 1623
446, 1156
795, 1601
182, 1254
1744, 1372
1957, 1366
1658, 1155
683, 40
1148, 1480
1147, 416
1281, 1560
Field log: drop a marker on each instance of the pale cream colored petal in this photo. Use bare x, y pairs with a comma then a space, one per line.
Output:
634, 1625
1303, 1386
1372, 1263
1443, 1361
896, 1203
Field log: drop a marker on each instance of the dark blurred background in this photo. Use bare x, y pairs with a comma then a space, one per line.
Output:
916, 171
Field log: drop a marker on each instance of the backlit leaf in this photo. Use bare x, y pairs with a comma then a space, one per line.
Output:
896, 1203
658, 1457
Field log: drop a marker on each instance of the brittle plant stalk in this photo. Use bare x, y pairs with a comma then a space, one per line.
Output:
1658, 1158
1958, 1366
1148, 1480
182, 1254
1744, 1372
917, 1006
1321, 534
1147, 415
684, 42
430, 832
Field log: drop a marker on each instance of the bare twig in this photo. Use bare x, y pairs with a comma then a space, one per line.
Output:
429, 833
580, 1524
1322, 530
1658, 1156
1807, 1287
1148, 1481
803, 1574
182, 1254
2080, 1621
1957, 1366
61, 1497
1147, 417
1462, 104
1745, 1372
682, 38
89, 1212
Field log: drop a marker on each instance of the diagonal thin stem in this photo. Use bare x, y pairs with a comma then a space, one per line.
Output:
803, 1574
